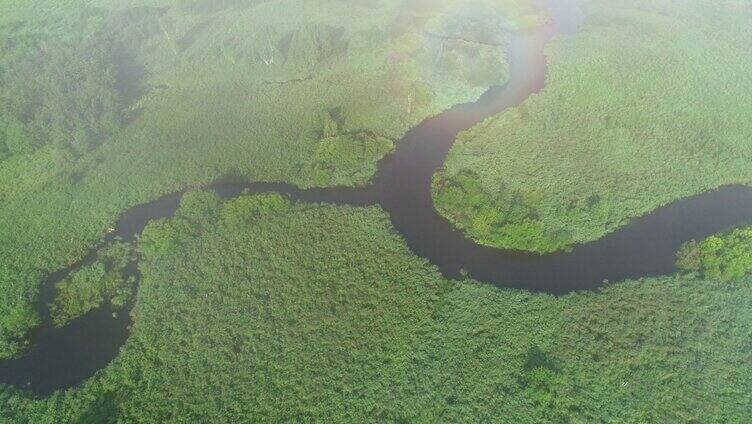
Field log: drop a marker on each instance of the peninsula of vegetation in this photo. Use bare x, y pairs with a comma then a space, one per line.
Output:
648, 103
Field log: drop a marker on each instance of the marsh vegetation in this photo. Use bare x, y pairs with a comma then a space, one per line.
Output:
259, 309
106, 105
641, 108
262, 309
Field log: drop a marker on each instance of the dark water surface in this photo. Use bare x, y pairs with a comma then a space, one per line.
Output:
62, 358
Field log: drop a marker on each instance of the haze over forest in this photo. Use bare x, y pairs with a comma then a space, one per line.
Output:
388, 210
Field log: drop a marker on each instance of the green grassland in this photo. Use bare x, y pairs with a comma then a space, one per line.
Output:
260, 310
105, 105
646, 104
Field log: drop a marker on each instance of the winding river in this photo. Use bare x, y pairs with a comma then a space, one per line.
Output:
63, 357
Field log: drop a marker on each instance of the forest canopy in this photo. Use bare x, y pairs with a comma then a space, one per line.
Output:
59, 87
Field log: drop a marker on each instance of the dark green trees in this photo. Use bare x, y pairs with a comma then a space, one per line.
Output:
722, 257
105, 280
59, 91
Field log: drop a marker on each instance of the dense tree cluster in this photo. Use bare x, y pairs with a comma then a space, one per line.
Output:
509, 218
104, 280
58, 90
723, 257
343, 157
